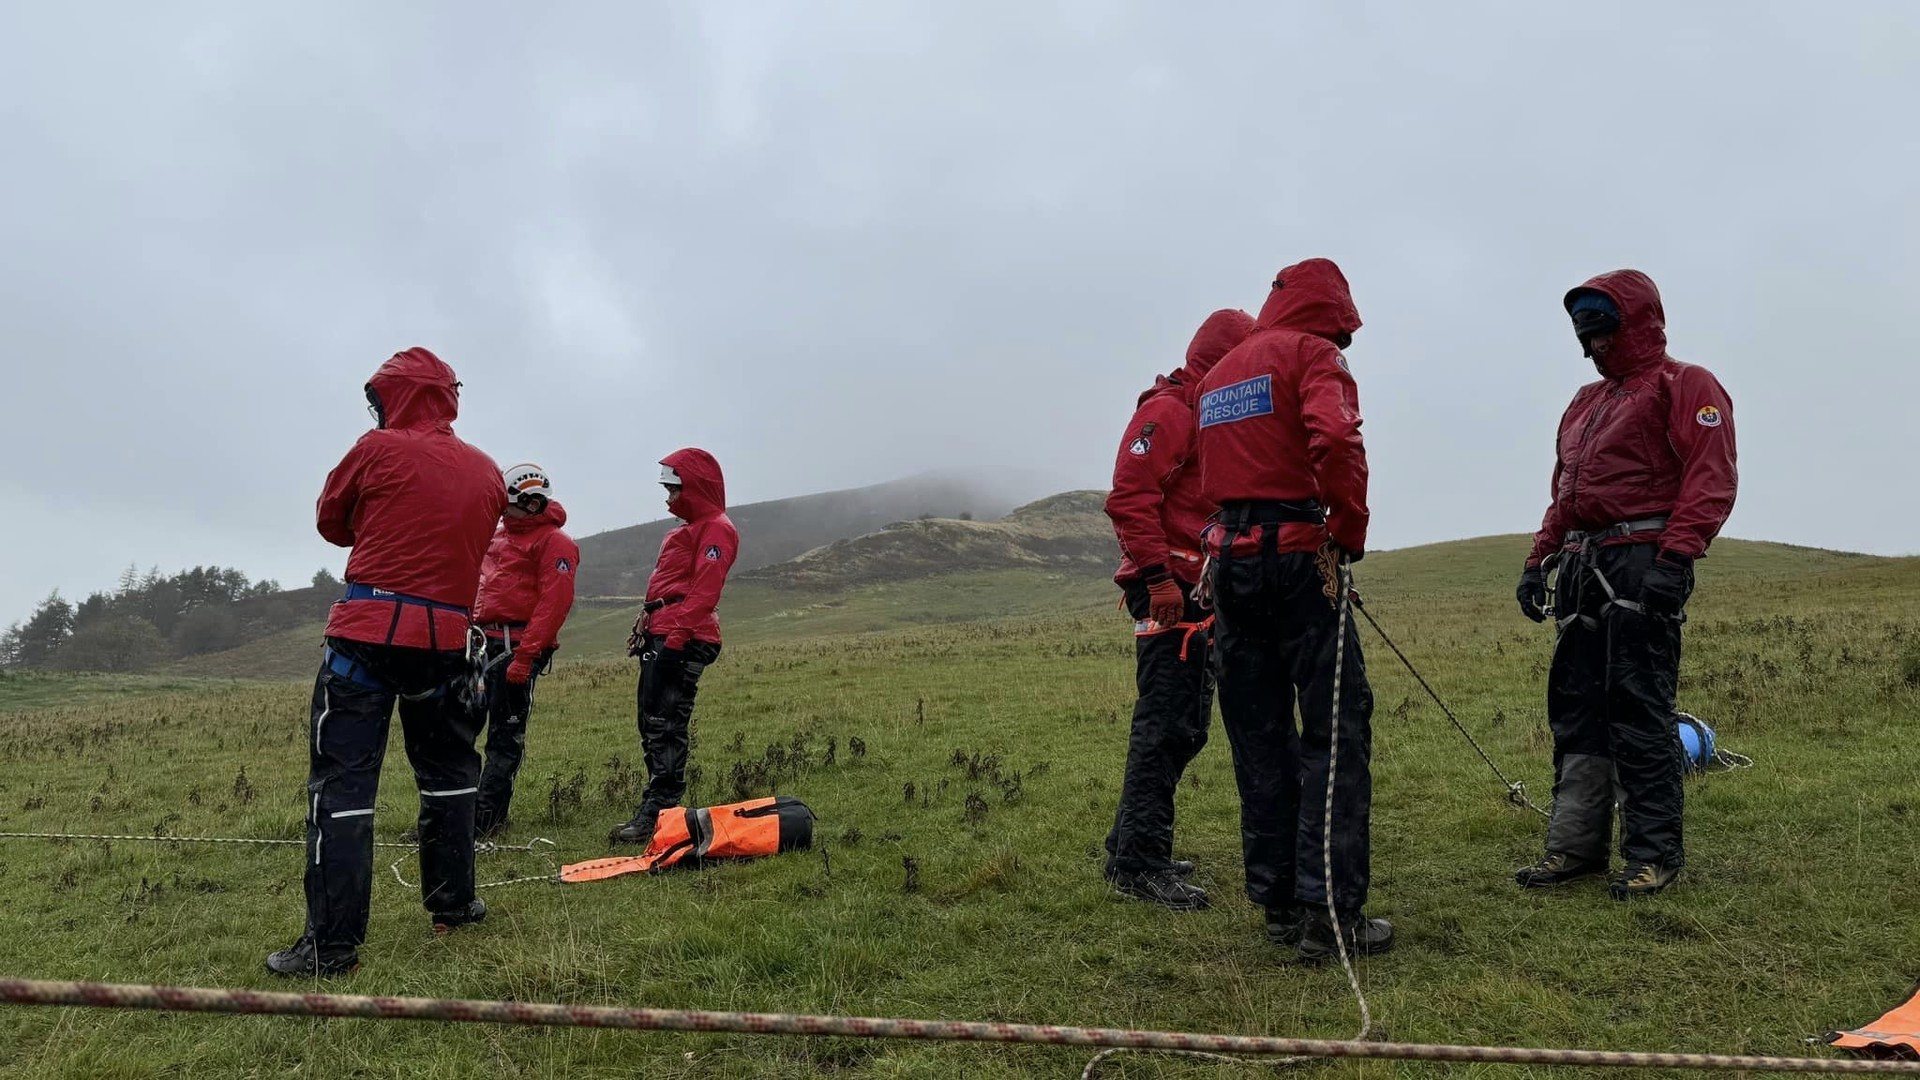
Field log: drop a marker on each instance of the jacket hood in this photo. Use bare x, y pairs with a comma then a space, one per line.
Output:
553, 517
1642, 337
417, 390
703, 490
1311, 297
1223, 330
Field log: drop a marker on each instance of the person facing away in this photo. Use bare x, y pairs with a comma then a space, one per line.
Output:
417, 506
1158, 511
678, 632
1282, 459
526, 592
1644, 476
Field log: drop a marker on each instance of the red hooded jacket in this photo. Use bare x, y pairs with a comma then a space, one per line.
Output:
1654, 437
1156, 504
1279, 417
694, 558
528, 578
416, 505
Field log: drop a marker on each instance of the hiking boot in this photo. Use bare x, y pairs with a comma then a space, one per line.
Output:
304, 958
489, 830
1556, 869
1364, 936
446, 922
1180, 867
1641, 879
637, 831
1285, 924
1161, 888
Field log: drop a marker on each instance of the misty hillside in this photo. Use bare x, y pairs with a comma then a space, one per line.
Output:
1062, 533
617, 562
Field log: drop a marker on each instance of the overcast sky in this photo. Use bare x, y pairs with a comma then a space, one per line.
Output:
836, 244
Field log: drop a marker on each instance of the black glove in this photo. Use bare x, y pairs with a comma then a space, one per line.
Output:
1668, 584
1532, 593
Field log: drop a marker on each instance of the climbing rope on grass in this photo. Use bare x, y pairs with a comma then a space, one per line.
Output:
452, 1010
160, 838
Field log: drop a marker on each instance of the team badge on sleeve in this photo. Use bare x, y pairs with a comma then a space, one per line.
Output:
713, 552
562, 565
1139, 446
1708, 416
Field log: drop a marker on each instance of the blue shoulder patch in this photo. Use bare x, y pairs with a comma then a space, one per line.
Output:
1239, 401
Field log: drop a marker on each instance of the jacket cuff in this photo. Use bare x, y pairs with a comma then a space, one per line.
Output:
1155, 574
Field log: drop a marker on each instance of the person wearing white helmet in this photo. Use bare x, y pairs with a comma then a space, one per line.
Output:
526, 591
678, 632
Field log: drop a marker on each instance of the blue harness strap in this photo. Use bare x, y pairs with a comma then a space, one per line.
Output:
355, 672
357, 591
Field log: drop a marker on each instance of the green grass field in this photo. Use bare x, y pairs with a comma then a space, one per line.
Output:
986, 756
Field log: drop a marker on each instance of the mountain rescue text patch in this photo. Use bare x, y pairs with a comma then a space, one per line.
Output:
1239, 401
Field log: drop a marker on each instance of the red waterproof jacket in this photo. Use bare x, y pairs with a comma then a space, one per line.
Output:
694, 558
1653, 438
1279, 417
528, 577
1156, 504
417, 506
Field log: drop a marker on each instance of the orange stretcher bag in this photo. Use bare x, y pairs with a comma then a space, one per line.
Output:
683, 837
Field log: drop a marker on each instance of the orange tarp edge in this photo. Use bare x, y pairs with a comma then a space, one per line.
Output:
1898, 1032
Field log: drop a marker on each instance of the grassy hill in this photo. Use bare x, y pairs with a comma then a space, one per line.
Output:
617, 562
989, 757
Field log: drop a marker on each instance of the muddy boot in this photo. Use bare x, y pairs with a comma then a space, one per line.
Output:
639, 830
1641, 879
1285, 925
1364, 936
446, 922
1556, 869
1161, 888
305, 959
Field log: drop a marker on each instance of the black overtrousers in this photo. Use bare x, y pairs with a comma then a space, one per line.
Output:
1174, 680
508, 708
1275, 642
347, 744
1610, 703
669, 680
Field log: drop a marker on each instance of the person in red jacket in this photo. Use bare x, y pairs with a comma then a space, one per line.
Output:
416, 505
678, 633
1643, 480
526, 591
1158, 511
1282, 459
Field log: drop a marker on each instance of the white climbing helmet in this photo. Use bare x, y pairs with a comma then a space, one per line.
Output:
528, 487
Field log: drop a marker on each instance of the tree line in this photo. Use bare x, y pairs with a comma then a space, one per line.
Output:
149, 618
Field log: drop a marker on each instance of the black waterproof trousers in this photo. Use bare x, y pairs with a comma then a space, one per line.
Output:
350, 717
507, 710
1275, 641
1610, 704
1174, 680
669, 679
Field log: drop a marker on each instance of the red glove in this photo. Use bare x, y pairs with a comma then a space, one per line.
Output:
1166, 604
520, 670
